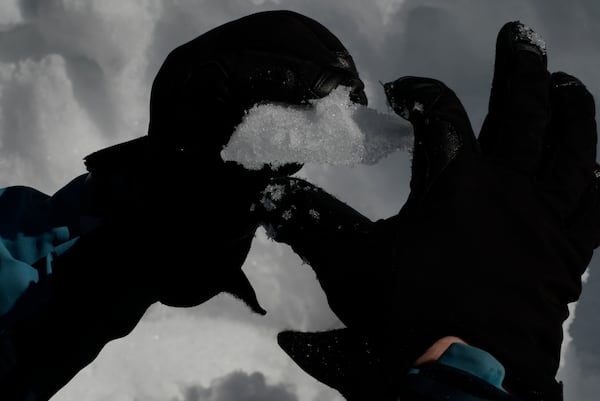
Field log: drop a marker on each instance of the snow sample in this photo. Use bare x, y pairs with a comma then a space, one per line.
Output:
331, 130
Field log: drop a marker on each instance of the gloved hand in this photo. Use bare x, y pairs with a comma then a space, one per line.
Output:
205, 86
173, 221
199, 95
490, 245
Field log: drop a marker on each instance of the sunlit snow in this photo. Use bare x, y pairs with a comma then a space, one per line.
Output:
331, 130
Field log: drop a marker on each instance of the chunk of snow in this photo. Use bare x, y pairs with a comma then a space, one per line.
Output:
331, 130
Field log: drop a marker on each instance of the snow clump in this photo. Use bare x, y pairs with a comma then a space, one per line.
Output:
331, 130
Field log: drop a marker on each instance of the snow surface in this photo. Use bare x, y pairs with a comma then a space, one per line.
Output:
331, 130
527, 34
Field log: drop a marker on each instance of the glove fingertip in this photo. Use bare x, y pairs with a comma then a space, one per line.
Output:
571, 95
413, 97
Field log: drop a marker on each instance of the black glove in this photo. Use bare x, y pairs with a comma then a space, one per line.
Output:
491, 243
174, 221
205, 86
198, 97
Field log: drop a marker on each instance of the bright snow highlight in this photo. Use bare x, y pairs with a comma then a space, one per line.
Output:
332, 131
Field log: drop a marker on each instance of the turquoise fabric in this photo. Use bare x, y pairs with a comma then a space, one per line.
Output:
474, 361
34, 226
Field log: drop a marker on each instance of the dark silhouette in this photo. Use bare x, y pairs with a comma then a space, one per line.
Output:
160, 218
488, 250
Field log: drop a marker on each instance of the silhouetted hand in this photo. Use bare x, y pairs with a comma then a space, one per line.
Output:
173, 220
199, 95
490, 245
205, 86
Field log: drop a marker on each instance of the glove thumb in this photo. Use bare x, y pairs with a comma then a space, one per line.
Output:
239, 286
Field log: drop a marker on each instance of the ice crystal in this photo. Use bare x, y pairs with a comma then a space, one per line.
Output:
274, 191
418, 107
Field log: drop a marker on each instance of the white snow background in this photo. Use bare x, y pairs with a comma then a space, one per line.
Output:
75, 76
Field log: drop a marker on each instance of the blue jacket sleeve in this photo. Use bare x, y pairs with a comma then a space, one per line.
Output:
33, 228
